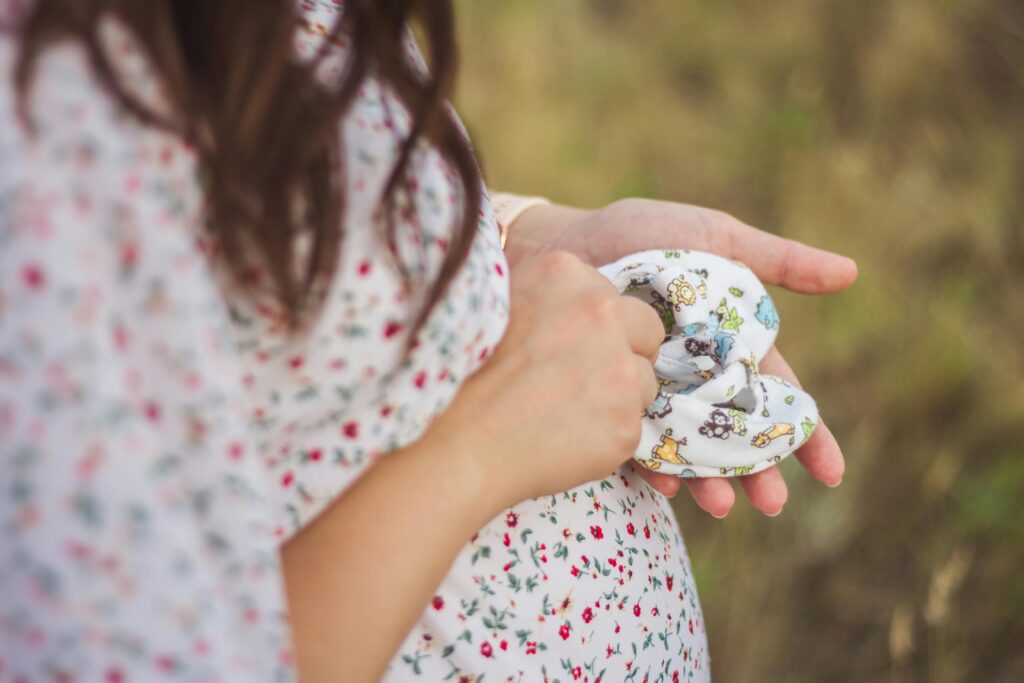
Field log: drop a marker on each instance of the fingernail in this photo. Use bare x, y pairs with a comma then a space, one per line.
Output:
832, 486
774, 514
721, 516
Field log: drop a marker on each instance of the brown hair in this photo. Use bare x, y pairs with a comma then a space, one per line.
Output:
266, 130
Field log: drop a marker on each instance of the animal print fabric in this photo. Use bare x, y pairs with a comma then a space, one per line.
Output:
715, 414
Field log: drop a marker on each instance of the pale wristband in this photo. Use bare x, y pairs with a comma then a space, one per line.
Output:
508, 207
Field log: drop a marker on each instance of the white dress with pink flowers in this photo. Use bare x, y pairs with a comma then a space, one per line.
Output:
159, 437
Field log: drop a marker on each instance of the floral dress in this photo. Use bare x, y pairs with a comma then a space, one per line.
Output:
160, 437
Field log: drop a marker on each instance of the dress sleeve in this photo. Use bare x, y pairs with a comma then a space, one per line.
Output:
135, 541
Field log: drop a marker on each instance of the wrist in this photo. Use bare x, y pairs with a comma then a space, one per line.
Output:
467, 457
540, 228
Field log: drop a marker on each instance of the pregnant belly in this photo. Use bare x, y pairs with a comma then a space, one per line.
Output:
591, 584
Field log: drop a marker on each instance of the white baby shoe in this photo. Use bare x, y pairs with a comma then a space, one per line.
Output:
715, 414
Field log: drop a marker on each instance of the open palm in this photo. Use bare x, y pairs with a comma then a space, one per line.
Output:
604, 235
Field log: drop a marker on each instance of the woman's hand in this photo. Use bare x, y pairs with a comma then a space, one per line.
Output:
557, 404
536, 419
631, 225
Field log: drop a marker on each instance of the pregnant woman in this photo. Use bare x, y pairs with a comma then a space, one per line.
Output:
277, 399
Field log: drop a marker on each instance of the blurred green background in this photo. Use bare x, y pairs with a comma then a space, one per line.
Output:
892, 131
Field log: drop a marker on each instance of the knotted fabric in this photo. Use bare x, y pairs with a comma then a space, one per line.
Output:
716, 414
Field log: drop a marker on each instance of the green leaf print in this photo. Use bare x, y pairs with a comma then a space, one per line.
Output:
736, 291
483, 552
414, 662
808, 427
731, 319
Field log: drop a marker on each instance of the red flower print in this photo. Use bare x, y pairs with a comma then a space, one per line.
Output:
636, 610
507, 540
485, 649
33, 276
420, 379
647, 531
511, 519
386, 410
574, 571
675, 676
588, 614
236, 451
152, 411
287, 479
596, 532
504, 645
129, 255
577, 672
531, 647
630, 529
316, 454
165, 662
499, 269
437, 603
121, 338
296, 362
668, 582
563, 631
114, 676
351, 429
392, 328
364, 268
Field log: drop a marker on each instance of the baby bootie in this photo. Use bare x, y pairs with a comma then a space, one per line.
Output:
715, 414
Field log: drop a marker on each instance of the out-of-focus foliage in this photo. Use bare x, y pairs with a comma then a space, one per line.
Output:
892, 131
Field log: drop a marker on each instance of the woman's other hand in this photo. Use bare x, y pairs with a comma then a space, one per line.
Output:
559, 402
630, 225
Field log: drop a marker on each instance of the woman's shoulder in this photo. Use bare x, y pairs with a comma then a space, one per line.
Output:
65, 114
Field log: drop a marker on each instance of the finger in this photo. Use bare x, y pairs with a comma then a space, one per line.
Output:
777, 260
647, 381
766, 490
665, 484
821, 455
643, 327
713, 495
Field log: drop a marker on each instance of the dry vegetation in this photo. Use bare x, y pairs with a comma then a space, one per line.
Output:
889, 130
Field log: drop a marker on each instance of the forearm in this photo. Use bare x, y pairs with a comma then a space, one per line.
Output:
361, 574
